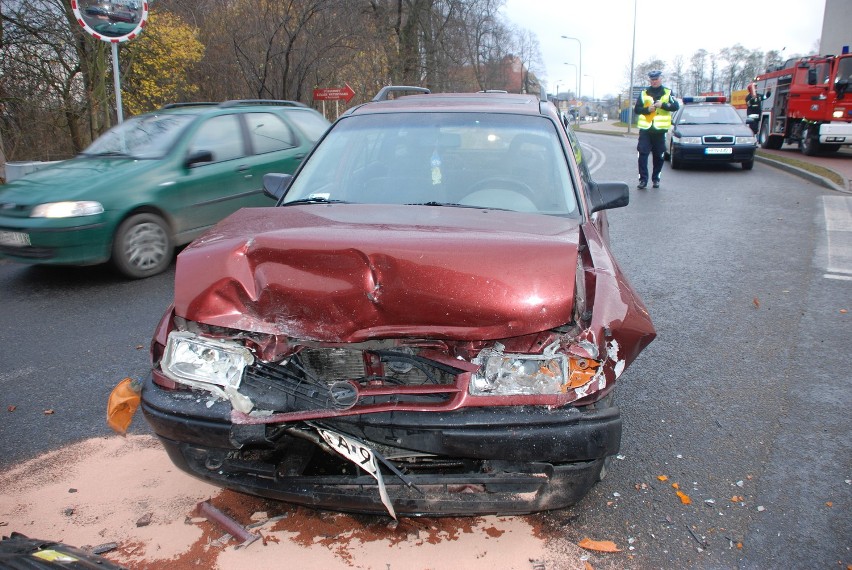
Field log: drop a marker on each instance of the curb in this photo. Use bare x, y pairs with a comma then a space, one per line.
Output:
801, 173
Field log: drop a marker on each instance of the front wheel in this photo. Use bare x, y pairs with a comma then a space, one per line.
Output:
677, 163
142, 246
767, 141
748, 164
809, 143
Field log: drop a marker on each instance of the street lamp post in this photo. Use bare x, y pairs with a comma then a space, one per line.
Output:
576, 80
632, 57
593, 86
594, 106
580, 46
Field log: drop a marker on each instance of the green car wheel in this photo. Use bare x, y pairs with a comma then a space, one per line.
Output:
142, 246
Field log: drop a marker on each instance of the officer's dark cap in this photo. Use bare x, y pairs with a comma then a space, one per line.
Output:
655, 74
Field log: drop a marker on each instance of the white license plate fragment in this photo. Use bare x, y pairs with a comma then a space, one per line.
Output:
726, 150
361, 455
15, 239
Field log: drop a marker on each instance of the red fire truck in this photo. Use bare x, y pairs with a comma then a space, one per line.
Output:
806, 101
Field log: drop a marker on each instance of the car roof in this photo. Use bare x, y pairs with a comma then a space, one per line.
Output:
202, 107
486, 102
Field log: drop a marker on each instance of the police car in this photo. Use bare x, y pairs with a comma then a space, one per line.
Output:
707, 129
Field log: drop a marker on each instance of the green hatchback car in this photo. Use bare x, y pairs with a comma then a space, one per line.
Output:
154, 182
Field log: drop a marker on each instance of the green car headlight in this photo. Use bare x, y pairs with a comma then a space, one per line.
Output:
198, 361
67, 209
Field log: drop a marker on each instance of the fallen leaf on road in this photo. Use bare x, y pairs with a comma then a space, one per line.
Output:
684, 498
756, 302
11, 408
662, 478
675, 485
48, 412
598, 545
829, 504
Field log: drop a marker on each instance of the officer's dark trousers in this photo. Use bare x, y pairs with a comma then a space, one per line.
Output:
653, 142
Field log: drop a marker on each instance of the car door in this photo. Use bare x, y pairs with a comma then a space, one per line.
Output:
275, 146
213, 188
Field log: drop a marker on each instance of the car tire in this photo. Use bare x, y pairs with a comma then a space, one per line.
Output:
748, 164
142, 246
767, 141
809, 143
676, 162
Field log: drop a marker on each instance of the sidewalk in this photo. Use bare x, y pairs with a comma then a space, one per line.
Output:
833, 170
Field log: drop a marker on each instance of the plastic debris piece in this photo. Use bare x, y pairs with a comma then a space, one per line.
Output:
598, 545
105, 547
122, 404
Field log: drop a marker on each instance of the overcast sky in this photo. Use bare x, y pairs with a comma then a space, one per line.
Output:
664, 29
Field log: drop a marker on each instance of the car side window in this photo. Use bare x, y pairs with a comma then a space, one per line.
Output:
221, 136
313, 125
268, 133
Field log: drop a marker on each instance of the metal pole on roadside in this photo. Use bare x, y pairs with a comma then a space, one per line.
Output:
116, 82
632, 57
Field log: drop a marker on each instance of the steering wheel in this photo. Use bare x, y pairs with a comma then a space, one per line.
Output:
501, 192
504, 183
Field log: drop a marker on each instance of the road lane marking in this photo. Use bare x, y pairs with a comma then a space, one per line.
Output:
837, 212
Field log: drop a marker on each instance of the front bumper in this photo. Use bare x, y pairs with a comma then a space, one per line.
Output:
57, 242
698, 153
835, 133
474, 461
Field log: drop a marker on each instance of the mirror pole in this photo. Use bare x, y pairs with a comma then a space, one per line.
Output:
116, 81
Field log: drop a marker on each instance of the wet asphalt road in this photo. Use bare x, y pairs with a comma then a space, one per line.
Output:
745, 392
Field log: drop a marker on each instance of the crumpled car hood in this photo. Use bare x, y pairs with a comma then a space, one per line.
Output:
353, 272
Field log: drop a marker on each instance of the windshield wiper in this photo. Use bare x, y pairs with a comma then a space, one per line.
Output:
314, 200
451, 204
454, 205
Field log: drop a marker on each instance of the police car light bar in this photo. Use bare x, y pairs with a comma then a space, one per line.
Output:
705, 99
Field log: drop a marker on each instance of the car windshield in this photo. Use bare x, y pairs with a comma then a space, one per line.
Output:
144, 136
482, 160
709, 115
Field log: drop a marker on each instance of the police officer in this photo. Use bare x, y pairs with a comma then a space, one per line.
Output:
653, 109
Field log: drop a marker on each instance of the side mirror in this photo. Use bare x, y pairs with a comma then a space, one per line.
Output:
275, 185
608, 195
812, 76
198, 157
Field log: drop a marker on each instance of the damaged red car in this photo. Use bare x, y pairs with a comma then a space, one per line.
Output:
429, 322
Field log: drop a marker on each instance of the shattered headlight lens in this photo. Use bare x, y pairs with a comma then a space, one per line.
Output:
189, 359
519, 374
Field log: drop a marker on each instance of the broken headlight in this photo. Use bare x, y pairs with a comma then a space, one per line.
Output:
193, 360
519, 374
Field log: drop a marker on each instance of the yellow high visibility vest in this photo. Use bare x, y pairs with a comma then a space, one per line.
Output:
661, 119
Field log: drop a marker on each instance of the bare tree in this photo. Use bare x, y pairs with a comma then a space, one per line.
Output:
698, 71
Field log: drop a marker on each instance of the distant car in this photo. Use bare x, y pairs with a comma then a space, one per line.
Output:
154, 182
706, 129
430, 322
